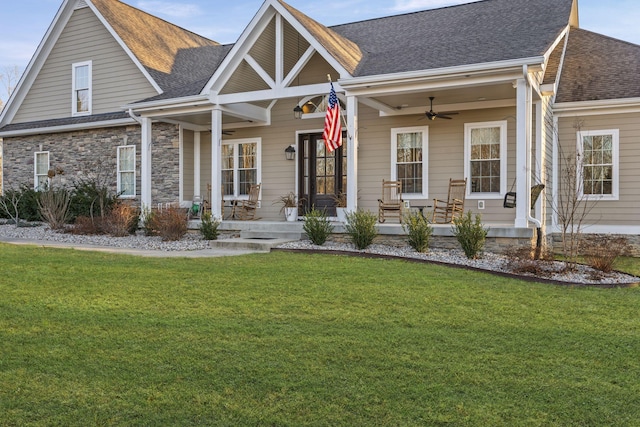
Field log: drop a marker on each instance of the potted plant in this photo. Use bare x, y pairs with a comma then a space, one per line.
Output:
340, 200
289, 206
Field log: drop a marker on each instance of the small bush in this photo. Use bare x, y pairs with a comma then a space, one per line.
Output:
171, 223
361, 227
149, 225
209, 227
601, 252
521, 260
122, 220
54, 207
470, 234
317, 226
91, 199
26, 199
85, 225
418, 231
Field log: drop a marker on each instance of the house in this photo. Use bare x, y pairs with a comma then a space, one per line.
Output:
169, 114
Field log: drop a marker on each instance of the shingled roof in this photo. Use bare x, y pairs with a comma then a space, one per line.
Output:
472, 33
598, 67
172, 55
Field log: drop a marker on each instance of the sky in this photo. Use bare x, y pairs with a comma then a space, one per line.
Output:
24, 23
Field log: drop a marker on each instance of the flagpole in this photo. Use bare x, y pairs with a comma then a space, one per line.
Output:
344, 121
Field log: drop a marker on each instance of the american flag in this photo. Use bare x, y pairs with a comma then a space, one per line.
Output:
332, 128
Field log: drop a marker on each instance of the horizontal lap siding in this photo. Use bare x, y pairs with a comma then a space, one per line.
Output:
116, 79
626, 210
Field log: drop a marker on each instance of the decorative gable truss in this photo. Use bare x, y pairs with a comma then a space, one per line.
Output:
281, 54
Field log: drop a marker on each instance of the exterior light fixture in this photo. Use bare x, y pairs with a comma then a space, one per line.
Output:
297, 112
290, 151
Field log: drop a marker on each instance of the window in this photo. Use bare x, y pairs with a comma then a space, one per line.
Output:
127, 171
41, 170
240, 166
598, 151
81, 82
409, 160
485, 154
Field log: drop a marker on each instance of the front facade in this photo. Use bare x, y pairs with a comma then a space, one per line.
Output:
170, 121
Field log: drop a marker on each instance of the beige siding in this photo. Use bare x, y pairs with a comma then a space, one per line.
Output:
625, 210
116, 79
187, 165
446, 155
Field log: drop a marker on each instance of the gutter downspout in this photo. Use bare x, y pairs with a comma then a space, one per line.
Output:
535, 221
134, 117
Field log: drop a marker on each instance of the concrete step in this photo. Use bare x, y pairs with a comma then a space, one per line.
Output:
270, 234
253, 244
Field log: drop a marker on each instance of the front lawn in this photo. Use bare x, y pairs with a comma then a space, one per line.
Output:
293, 339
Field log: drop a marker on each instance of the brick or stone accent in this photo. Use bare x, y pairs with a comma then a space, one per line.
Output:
95, 151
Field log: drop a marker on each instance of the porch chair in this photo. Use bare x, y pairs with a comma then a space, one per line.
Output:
445, 211
245, 210
390, 205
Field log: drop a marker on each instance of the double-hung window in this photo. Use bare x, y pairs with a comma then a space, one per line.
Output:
409, 148
485, 159
598, 164
127, 170
82, 91
41, 170
241, 166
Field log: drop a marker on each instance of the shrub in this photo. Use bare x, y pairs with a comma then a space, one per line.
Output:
89, 198
122, 220
418, 231
149, 225
85, 225
171, 223
25, 199
317, 226
361, 227
209, 227
601, 252
470, 234
54, 207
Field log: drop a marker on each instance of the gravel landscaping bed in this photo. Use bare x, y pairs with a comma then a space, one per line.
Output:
548, 270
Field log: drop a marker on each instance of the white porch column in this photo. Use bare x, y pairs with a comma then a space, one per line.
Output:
196, 164
216, 163
352, 153
541, 156
145, 163
521, 153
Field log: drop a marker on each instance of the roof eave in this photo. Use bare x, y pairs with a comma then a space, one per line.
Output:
187, 101
450, 73
68, 128
608, 106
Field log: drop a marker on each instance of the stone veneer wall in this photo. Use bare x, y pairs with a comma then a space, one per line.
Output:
81, 152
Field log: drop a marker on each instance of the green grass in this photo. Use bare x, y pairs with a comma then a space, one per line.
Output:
291, 340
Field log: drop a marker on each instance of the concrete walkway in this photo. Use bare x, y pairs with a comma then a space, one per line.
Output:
234, 249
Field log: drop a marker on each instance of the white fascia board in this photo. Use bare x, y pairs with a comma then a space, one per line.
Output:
247, 112
189, 101
271, 94
463, 106
603, 106
449, 73
68, 128
124, 46
37, 61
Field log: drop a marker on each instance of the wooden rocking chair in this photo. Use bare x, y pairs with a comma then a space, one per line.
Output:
390, 205
245, 210
445, 211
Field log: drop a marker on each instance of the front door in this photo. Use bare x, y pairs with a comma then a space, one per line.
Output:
323, 175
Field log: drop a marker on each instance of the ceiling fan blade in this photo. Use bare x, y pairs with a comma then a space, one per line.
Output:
440, 116
448, 113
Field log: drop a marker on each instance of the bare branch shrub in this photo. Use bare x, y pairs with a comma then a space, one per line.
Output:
85, 225
54, 207
122, 220
170, 223
601, 252
10, 205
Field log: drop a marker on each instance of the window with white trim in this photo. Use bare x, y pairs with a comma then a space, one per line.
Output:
241, 166
409, 149
598, 154
126, 171
82, 90
41, 170
485, 159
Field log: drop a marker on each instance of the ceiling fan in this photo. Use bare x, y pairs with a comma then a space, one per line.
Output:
432, 115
